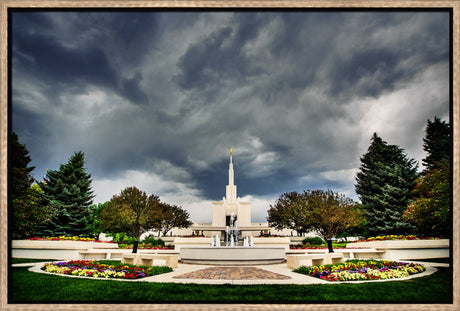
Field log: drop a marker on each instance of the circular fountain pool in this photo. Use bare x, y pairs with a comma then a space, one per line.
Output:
235, 255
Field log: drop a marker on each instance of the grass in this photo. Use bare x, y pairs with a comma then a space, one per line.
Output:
29, 260
30, 287
437, 260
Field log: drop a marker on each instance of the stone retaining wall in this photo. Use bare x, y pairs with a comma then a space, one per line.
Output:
407, 249
55, 249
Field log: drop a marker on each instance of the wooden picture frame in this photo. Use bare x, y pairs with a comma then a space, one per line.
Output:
5, 5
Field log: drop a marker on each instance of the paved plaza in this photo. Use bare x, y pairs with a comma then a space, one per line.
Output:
233, 273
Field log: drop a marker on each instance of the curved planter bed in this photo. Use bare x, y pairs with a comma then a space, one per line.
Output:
56, 249
407, 249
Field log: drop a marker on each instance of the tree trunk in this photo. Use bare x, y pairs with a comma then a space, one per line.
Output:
329, 246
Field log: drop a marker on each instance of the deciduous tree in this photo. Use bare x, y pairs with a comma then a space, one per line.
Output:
171, 216
324, 212
30, 210
332, 213
430, 210
131, 212
288, 211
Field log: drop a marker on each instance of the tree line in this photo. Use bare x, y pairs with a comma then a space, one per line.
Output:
395, 198
62, 204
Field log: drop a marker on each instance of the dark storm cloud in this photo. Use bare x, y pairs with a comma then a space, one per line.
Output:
157, 97
49, 57
219, 57
51, 61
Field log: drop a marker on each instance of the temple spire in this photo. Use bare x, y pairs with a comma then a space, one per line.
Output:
230, 170
231, 188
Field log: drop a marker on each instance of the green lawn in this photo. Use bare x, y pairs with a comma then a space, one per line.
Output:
41, 288
29, 260
438, 260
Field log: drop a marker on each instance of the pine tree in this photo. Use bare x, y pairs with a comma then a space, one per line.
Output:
68, 191
20, 173
436, 143
26, 204
384, 184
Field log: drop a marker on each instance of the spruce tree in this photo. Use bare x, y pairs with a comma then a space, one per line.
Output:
26, 205
436, 143
68, 191
384, 184
20, 173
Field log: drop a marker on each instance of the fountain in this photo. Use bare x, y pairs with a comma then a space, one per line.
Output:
231, 253
231, 232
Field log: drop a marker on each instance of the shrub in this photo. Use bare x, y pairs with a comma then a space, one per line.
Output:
313, 241
123, 238
153, 241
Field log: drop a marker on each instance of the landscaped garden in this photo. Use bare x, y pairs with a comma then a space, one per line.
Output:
31, 287
103, 269
361, 270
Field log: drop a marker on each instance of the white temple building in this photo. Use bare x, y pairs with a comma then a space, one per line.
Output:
222, 212
230, 204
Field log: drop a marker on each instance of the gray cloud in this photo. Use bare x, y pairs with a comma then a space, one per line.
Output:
157, 97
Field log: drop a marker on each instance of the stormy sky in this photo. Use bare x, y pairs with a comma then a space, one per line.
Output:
155, 98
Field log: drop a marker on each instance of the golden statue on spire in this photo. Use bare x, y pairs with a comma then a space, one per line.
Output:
231, 150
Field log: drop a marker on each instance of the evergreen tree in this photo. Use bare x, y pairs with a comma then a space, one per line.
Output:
384, 184
68, 191
26, 204
20, 174
436, 143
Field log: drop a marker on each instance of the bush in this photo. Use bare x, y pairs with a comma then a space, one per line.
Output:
123, 238
153, 241
313, 241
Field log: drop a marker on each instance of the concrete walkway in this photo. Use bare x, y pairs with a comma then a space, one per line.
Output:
241, 275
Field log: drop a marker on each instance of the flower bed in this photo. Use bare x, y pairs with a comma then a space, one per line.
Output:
141, 246
313, 247
95, 269
66, 238
359, 270
395, 237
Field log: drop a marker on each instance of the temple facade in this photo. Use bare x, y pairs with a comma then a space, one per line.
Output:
231, 207
231, 204
226, 212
